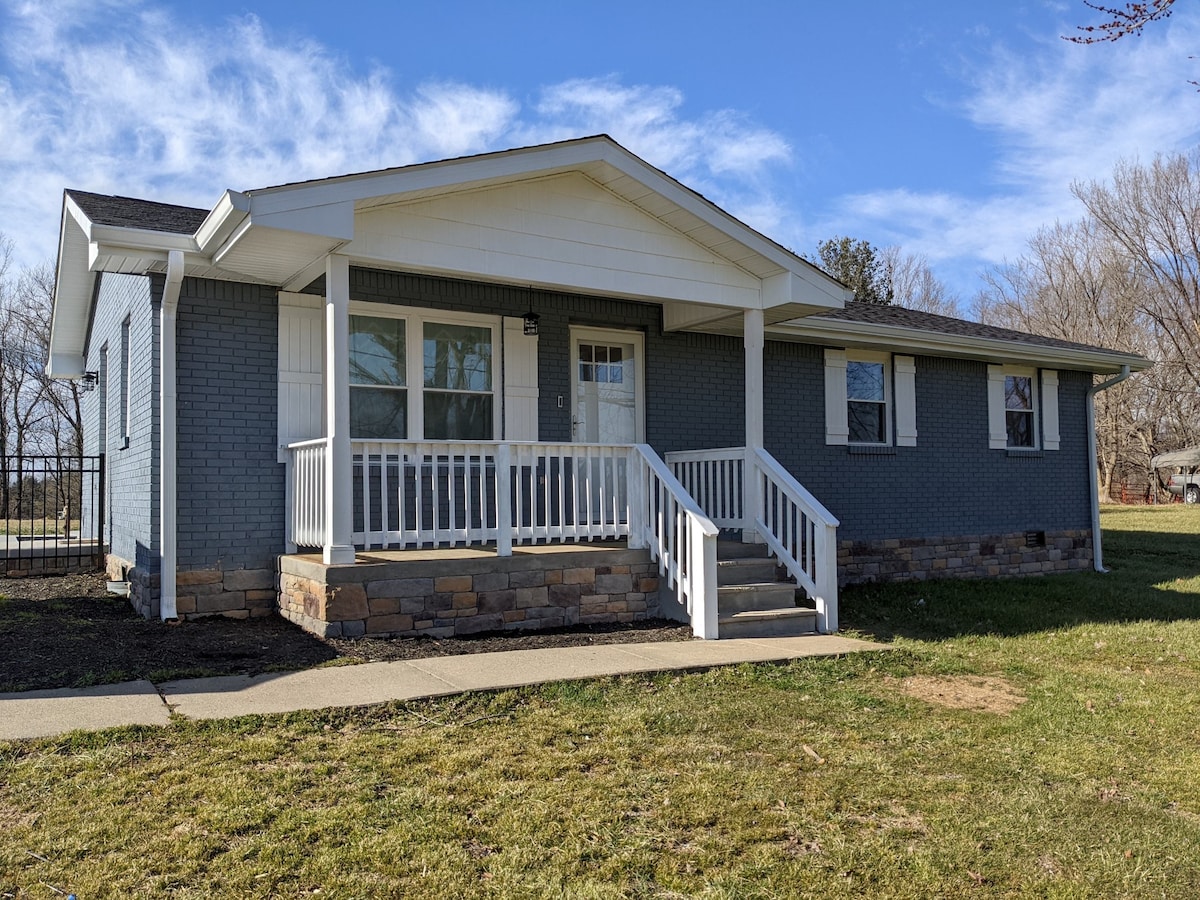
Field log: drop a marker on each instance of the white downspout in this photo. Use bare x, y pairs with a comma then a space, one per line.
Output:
167, 533
1097, 555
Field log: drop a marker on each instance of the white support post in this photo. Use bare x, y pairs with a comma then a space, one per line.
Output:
636, 488
754, 341
825, 553
504, 519
339, 475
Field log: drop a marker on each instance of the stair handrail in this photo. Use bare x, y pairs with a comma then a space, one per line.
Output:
799, 530
680, 537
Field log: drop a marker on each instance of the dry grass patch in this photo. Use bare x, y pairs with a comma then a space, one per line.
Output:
971, 692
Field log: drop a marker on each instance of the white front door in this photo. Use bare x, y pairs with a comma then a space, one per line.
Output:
607, 392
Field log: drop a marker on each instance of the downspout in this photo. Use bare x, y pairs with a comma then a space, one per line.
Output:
1097, 555
167, 532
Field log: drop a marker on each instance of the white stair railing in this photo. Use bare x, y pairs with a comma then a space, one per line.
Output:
716, 480
679, 535
306, 493
800, 532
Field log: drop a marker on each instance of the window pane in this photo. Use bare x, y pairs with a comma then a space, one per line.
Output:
866, 421
1018, 392
864, 381
458, 357
378, 413
377, 351
458, 417
1020, 428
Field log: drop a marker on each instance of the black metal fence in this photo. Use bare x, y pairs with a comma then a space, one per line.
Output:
52, 514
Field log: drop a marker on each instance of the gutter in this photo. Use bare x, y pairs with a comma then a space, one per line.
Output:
1097, 554
167, 530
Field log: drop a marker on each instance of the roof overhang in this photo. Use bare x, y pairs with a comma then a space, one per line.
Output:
282, 235
873, 336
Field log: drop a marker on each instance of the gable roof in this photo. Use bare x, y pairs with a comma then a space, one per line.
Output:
128, 212
874, 325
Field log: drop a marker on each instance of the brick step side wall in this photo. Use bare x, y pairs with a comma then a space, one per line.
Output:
445, 598
978, 556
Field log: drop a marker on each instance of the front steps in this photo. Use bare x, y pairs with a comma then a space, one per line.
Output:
752, 599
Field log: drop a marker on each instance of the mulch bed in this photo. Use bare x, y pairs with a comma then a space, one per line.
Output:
68, 632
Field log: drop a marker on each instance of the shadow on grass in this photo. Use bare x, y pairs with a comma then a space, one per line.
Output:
1153, 576
51, 641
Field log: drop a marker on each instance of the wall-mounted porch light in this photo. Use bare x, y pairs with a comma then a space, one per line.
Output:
530, 321
90, 380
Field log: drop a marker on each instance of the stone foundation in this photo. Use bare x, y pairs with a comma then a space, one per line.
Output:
546, 587
986, 556
232, 593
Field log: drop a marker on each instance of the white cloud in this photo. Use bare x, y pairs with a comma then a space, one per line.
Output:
1059, 113
148, 107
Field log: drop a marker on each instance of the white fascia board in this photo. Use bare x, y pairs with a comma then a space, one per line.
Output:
993, 350
226, 216
73, 285
529, 162
142, 239
791, 287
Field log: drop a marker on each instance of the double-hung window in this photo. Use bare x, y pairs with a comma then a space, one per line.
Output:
870, 399
422, 375
1022, 408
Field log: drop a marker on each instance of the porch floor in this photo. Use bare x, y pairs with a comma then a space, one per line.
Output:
452, 554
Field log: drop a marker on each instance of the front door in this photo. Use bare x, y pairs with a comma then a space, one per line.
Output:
606, 387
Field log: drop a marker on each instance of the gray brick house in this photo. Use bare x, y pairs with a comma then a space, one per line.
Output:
534, 388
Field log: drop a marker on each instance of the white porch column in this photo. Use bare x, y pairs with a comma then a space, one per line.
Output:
754, 341
339, 494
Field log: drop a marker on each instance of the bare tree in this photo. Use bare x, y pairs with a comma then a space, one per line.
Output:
1122, 21
913, 284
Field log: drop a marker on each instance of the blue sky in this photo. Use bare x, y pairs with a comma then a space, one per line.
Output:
951, 129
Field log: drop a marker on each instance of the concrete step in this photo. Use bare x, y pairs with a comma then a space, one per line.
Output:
768, 623
753, 570
771, 595
738, 550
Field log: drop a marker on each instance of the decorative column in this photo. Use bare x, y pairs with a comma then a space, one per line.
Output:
754, 341
339, 495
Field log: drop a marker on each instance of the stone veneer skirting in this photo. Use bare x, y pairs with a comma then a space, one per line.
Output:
451, 594
978, 556
232, 593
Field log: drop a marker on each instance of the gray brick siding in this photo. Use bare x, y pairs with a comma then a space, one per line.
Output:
231, 486
950, 483
131, 471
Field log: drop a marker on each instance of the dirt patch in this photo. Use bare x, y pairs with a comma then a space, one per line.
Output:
982, 694
67, 632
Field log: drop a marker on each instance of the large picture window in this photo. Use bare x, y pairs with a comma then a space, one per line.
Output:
420, 377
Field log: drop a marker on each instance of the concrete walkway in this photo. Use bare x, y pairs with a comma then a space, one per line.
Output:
35, 714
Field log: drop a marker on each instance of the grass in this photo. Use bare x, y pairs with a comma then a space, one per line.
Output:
815, 779
38, 527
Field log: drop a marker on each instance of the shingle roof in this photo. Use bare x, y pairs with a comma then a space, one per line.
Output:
128, 212
899, 317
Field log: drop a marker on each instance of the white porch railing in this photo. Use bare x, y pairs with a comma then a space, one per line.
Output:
440, 494
801, 533
680, 536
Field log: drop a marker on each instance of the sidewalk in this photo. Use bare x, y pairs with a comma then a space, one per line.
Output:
47, 713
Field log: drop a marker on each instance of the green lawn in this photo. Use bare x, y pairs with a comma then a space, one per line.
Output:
819, 778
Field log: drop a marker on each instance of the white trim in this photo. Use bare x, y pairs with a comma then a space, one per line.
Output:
520, 381
884, 360
906, 400
415, 318
1050, 433
991, 350
837, 424
997, 424
639, 352
168, 536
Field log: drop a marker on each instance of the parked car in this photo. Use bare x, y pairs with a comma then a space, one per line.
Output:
1185, 483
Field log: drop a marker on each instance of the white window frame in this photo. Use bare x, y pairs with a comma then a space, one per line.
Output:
998, 407
126, 382
884, 360
415, 319
899, 397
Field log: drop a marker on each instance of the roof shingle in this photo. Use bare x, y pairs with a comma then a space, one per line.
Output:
128, 212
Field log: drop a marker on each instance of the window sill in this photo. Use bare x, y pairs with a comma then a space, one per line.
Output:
870, 450
124, 445
1027, 453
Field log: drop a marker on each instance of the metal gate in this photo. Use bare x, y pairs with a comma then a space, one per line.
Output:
53, 514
